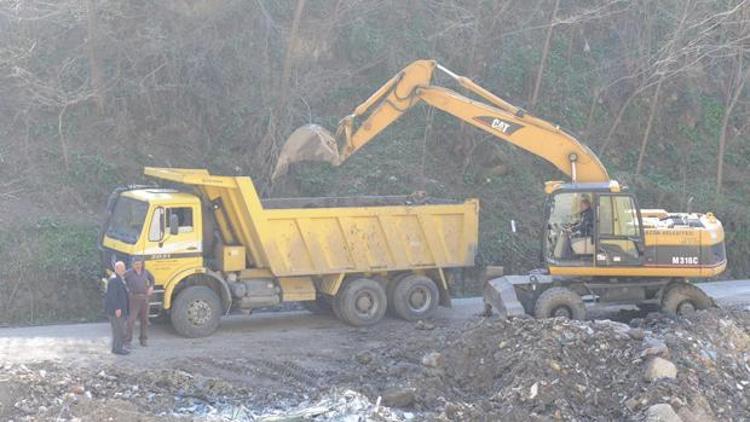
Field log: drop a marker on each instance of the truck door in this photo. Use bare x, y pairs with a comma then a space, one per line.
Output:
174, 241
619, 240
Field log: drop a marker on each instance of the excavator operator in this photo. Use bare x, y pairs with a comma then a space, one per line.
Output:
582, 231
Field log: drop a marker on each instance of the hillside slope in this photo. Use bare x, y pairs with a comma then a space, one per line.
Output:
91, 95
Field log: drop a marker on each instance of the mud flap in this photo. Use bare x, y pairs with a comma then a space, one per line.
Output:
500, 294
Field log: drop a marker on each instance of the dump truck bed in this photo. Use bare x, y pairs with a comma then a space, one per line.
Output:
321, 236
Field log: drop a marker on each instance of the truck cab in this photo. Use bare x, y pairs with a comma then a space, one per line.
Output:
161, 226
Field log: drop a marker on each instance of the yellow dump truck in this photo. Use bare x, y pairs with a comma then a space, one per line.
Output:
215, 247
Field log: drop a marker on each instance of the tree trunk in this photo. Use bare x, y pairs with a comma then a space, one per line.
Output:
545, 52
738, 87
95, 66
649, 125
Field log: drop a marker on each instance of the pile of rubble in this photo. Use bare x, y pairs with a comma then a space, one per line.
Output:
655, 368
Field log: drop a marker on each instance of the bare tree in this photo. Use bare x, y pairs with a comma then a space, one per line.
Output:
545, 52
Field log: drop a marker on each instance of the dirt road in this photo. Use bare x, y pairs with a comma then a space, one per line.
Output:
321, 341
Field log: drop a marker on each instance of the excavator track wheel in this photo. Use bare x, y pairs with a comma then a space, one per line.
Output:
361, 302
684, 299
415, 297
559, 302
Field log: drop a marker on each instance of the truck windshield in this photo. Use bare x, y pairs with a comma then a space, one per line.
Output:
127, 220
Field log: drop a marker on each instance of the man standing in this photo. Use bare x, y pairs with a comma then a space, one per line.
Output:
140, 284
116, 307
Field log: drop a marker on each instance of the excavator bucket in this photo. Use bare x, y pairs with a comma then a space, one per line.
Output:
308, 143
500, 294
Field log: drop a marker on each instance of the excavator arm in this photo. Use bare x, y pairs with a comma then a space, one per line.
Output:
414, 85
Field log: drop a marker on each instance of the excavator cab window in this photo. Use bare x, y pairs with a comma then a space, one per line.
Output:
620, 233
570, 230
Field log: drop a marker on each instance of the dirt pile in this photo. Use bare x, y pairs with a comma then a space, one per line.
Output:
601, 370
654, 368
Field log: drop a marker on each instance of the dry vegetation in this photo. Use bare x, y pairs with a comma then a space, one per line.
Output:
93, 90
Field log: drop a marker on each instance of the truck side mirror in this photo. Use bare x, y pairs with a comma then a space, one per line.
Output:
174, 224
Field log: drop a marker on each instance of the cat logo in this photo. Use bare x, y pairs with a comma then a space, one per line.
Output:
685, 260
500, 125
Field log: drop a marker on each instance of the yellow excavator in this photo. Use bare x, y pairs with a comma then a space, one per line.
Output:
598, 245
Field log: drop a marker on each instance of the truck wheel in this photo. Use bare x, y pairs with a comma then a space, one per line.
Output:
196, 311
390, 288
319, 306
684, 299
560, 302
361, 302
415, 297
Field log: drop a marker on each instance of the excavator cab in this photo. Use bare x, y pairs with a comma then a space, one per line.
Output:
592, 224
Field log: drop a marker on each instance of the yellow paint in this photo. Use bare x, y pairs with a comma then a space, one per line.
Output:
318, 241
297, 288
643, 271
231, 258
330, 283
326, 243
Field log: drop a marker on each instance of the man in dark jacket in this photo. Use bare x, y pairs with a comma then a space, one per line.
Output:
116, 306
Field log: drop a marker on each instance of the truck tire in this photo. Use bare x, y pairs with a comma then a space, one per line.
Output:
390, 287
361, 302
684, 299
196, 312
319, 306
559, 302
415, 297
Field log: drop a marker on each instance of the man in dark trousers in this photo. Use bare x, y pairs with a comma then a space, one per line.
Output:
116, 307
140, 284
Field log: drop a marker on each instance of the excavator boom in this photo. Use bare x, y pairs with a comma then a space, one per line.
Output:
413, 85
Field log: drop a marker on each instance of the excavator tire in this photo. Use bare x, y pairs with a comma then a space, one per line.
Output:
196, 312
415, 297
559, 302
684, 299
361, 302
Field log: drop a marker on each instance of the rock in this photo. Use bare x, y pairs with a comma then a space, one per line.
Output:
398, 397
426, 326
662, 412
432, 360
659, 368
632, 404
654, 347
676, 403
554, 365
636, 333
534, 390
364, 358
